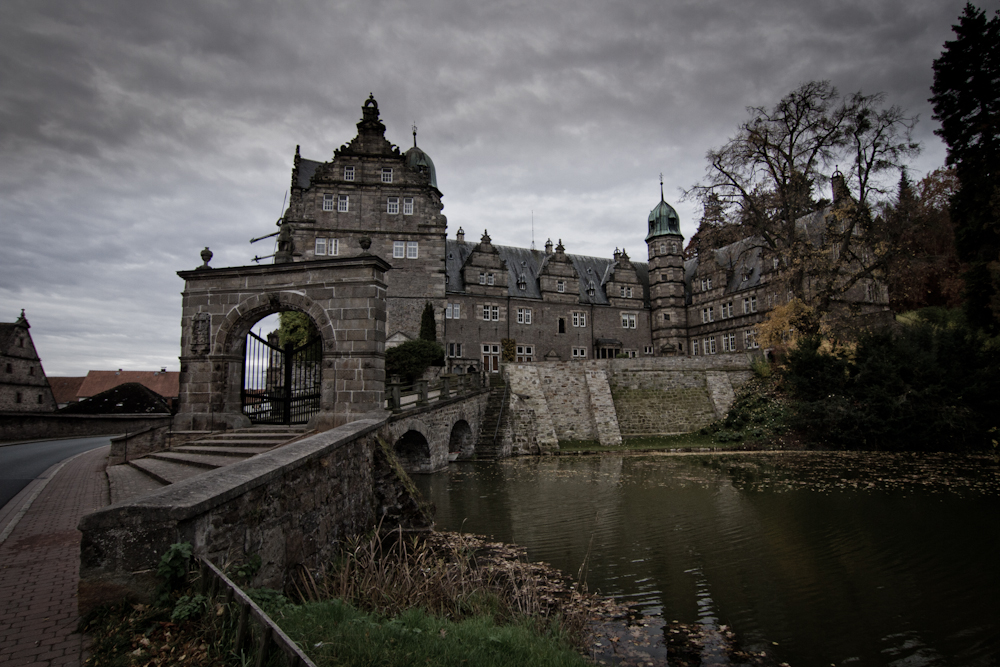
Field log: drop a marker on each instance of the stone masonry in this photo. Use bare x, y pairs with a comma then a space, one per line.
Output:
344, 297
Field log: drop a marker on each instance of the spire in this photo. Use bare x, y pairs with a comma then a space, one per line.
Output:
414, 134
661, 187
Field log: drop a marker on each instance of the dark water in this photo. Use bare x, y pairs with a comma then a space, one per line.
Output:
823, 559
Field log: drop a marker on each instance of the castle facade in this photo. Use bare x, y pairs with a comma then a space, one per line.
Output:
496, 302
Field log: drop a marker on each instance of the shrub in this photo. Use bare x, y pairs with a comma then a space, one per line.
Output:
412, 358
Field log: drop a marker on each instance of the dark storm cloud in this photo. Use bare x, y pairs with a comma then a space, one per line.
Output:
133, 134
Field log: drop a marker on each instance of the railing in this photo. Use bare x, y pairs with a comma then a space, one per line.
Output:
271, 636
503, 403
401, 397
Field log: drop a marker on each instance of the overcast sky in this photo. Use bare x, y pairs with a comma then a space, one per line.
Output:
133, 134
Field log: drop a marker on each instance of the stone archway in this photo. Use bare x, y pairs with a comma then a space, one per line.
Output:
413, 451
345, 297
462, 442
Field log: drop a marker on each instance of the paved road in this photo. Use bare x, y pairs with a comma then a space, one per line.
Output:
19, 464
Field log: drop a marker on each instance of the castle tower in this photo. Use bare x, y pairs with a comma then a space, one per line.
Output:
666, 279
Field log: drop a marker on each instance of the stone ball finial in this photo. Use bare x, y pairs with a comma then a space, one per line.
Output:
206, 257
365, 243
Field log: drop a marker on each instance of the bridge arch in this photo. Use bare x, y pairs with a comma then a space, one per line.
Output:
462, 441
413, 451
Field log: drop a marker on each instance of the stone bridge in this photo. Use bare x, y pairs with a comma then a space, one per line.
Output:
425, 439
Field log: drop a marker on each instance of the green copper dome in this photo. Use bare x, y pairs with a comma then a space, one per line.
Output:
418, 160
663, 219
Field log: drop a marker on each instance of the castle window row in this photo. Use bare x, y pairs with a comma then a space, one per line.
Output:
342, 204
326, 246
453, 311
405, 249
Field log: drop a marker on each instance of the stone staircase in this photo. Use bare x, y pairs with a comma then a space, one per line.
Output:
153, 471
485, 447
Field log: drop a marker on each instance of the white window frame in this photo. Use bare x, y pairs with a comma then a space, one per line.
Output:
453, 311
579, 353
695, 349
407, 205
628, 320
579, 319
412, 249
524, 315
392, 206
495, 313
560, 285
749, 305
349, 173
320, 247
328, 202
708, 345
482, 278
343, 203
454, 350
709, 279
489, 279
648, 349
398, 249
486, 312
750, 339
621, 291
387, 174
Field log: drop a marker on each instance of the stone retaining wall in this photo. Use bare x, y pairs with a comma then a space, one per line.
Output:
606, 399
292, 506
19, 426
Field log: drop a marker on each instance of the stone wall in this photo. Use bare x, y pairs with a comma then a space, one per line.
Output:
604, 400
18, 426
292, 506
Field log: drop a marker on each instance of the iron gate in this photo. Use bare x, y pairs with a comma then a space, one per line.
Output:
281, 385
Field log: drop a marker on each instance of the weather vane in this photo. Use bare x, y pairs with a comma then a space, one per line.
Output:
414, 133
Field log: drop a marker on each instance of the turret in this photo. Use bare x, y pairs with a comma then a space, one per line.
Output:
665, 244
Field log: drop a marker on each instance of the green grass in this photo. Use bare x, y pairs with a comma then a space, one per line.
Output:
333, 632
680, 441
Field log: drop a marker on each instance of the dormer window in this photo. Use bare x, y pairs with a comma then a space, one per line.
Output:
561, 286
482, 278
522, 283
386, 175
349, 173
591, 290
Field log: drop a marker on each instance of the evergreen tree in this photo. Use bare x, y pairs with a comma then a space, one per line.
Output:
428, 328
966, 101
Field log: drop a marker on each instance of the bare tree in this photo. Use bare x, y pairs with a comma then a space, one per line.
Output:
766, 174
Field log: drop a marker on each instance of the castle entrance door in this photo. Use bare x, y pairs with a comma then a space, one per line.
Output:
281, 385
491, 357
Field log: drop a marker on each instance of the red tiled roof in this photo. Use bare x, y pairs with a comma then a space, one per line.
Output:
65, 389
165, 383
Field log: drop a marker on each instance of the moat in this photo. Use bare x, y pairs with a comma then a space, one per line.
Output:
819, 558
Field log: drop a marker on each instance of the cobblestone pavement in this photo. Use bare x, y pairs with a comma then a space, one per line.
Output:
40, 567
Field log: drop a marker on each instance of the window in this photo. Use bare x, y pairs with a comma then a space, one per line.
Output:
398, 249
348, 173
333, 246
392, 206
708, 314
708, 345
746, 277
561, 286
775, 262
579, 319
320, 246
31, 370
407, 205
591, 290
343, 203
666, 317
386, 175
628, 320
524, 315
673, 247
579, 353
729, 342
870, 292
489, 278
522, 282
453, 311
625, 291
562, 325
648, 349
621, 290
750, 339
454, 349
39, 399
411, 249
709, 280
482, 278
727, 310
695, 348
10, 369
524, 353
17, 399
750, 305
327, 202
491, 313
703, 283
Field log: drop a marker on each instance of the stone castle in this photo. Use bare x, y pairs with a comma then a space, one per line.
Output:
496, 302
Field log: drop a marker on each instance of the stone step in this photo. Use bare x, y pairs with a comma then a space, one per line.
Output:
127, 482
167, 472
241, 452
218, 442
207, 461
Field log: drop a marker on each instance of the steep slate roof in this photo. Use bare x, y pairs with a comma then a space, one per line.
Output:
164, 383
66, 389
306, 170
530, 263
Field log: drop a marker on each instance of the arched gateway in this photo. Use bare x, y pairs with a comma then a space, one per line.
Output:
344, 297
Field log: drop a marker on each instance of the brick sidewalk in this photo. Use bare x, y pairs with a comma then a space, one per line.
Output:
40, 567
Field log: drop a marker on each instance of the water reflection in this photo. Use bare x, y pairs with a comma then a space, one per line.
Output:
863, 559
